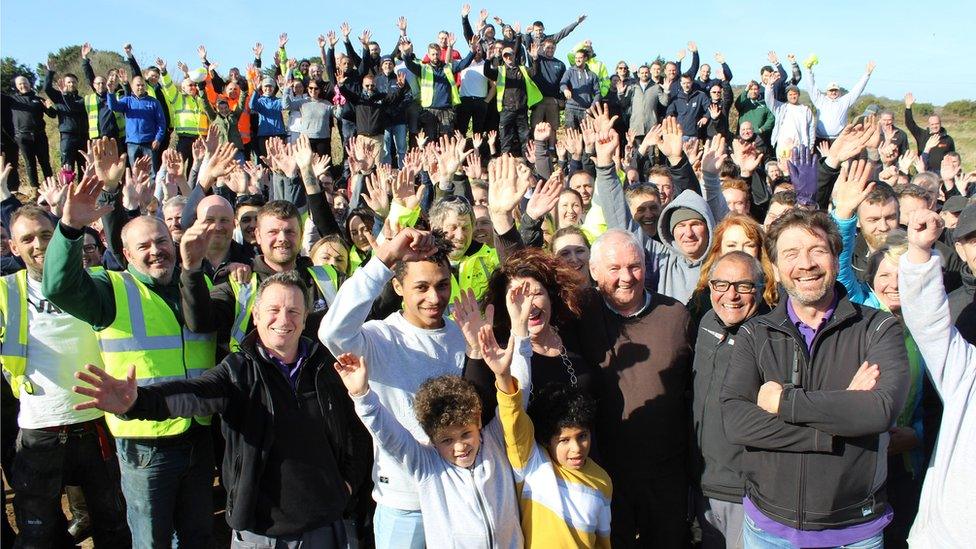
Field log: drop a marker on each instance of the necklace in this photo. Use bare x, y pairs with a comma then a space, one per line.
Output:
568, 364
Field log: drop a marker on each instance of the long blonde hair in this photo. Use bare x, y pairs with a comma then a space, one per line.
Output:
754, 232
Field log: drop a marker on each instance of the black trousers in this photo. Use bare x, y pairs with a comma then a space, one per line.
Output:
321, 147
10, 151
34, 148
79, 455
472, 110
650, 513
437, 122
513, 130
70, 148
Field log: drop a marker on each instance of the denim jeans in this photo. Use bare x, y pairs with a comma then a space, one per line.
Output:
395, 136
168, 486
47, 461
754, 538
136, 150
397, 529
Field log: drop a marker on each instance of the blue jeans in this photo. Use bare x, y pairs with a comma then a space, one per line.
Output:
397, 529
754, 538
168, 488
136, 150
395, 135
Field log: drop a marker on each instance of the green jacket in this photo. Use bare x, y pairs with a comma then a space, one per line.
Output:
227, 127
755, 111
88, 296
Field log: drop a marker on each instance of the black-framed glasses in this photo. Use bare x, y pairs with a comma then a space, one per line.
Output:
741, 286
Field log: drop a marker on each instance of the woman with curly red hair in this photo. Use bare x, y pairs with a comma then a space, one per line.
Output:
555, 289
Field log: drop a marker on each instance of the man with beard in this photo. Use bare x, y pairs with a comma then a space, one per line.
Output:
439, 94
736, 285
812, 389
138, 317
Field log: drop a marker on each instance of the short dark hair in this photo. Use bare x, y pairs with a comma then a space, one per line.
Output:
538, 24
914, 191
31, 211
810, 221
71, 75
786, 198
556, 406
766, 68
440, 257
289, 279
446, 401
280, 209
643, 189
881, 194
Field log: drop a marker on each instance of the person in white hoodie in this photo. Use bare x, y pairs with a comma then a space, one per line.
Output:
794, 122
945, 516
832, 107
403, 350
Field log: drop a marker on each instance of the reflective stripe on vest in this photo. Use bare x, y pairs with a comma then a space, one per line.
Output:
533, 95
474, 272
145, 332
189, 118
91, 107
13, 331
427, 85
326, 279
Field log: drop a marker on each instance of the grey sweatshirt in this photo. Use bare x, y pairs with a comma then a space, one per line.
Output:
677, 275
945, 513
317, 119
401, 356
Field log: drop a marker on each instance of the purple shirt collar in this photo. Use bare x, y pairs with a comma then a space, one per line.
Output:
809, 332
291, 370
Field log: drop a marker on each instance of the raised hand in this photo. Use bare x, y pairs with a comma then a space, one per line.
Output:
714, 155
137, 190
870, 67
852, 187
402, 25
714, 111
600, 113
86, 49
498, 358
772, 57
81, 205
719, 57
109, 164
345, 29
109, 394
353, 373
408, 245
692, 46
377, 195
909, 100
467, 315
670, 142
924, 228
852, 140
52, 191
202, 52
194, 244
607, 143
465, 10
161, 64
333, 40
127, 49
282, 40
183, 68
505, 188
365, 37
258, 50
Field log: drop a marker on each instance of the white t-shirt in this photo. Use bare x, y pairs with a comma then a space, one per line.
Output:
473, 80
58, 345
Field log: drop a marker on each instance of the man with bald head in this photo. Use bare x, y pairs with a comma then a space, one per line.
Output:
223, 254
138, 319
642, 342
944, 145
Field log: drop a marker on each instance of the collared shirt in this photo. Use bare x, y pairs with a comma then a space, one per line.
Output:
647, 303
809, 332
290, 370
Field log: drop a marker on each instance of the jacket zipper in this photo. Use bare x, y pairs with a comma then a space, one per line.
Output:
483, 508
801, 482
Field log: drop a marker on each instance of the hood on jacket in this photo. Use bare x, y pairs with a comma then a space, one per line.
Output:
687, 199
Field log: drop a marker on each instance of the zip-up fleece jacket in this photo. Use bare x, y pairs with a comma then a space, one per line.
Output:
689, 108
821, 462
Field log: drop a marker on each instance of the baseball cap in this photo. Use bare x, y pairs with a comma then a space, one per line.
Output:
955, 204
966, 224
832, 86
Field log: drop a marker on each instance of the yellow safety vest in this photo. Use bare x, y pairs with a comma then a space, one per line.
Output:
13, 331
531, 90
326, 280
146, 333
427, 85
187, 113
91, 106
474, 271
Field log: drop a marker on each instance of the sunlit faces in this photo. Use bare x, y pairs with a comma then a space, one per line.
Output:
138, 86
644, 74
966, 248
686, 83
617, 267
664, 187
483, 230
458, 444
570, 447
935, 124
793, 96
340, 205
459, 230
737, 199
173, 217
805, 265
426, 291
582, 183
908, 204
732, 306
885, 285
357, 232
734, 238
569, 210
691, 237
745, 130
479, 194
279, 240
877, 220
332, 253
572, 249
247, 222
775, 211
217, 211
753, 89
91, 253
540, 303
29, 239
279, 317
22, 84
149, 248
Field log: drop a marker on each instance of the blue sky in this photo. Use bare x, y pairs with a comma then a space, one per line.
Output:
932, 62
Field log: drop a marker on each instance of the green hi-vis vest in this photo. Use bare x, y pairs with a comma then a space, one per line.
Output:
326, 280
145, 332
473, 273
427, 85
13, 331
186, 112
531, 90
91, 107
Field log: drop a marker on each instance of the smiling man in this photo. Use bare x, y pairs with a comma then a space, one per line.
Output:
403, 350
812, 389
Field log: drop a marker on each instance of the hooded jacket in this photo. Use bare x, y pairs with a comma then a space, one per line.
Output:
676, 275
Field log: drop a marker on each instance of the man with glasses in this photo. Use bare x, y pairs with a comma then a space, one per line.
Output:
187, 109
812, 389
735, 282
370, 108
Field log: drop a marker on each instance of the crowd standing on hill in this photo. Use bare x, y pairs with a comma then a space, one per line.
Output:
534, 301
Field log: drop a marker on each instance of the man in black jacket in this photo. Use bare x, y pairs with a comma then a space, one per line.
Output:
812, 389
370, 108
736, 284
72, 117
28, 110
962, 306
944, 143
294, 450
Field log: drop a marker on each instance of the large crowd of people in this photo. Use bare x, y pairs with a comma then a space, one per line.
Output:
531, 300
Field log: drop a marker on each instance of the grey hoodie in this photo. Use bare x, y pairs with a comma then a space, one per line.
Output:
945, 516
676, 275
